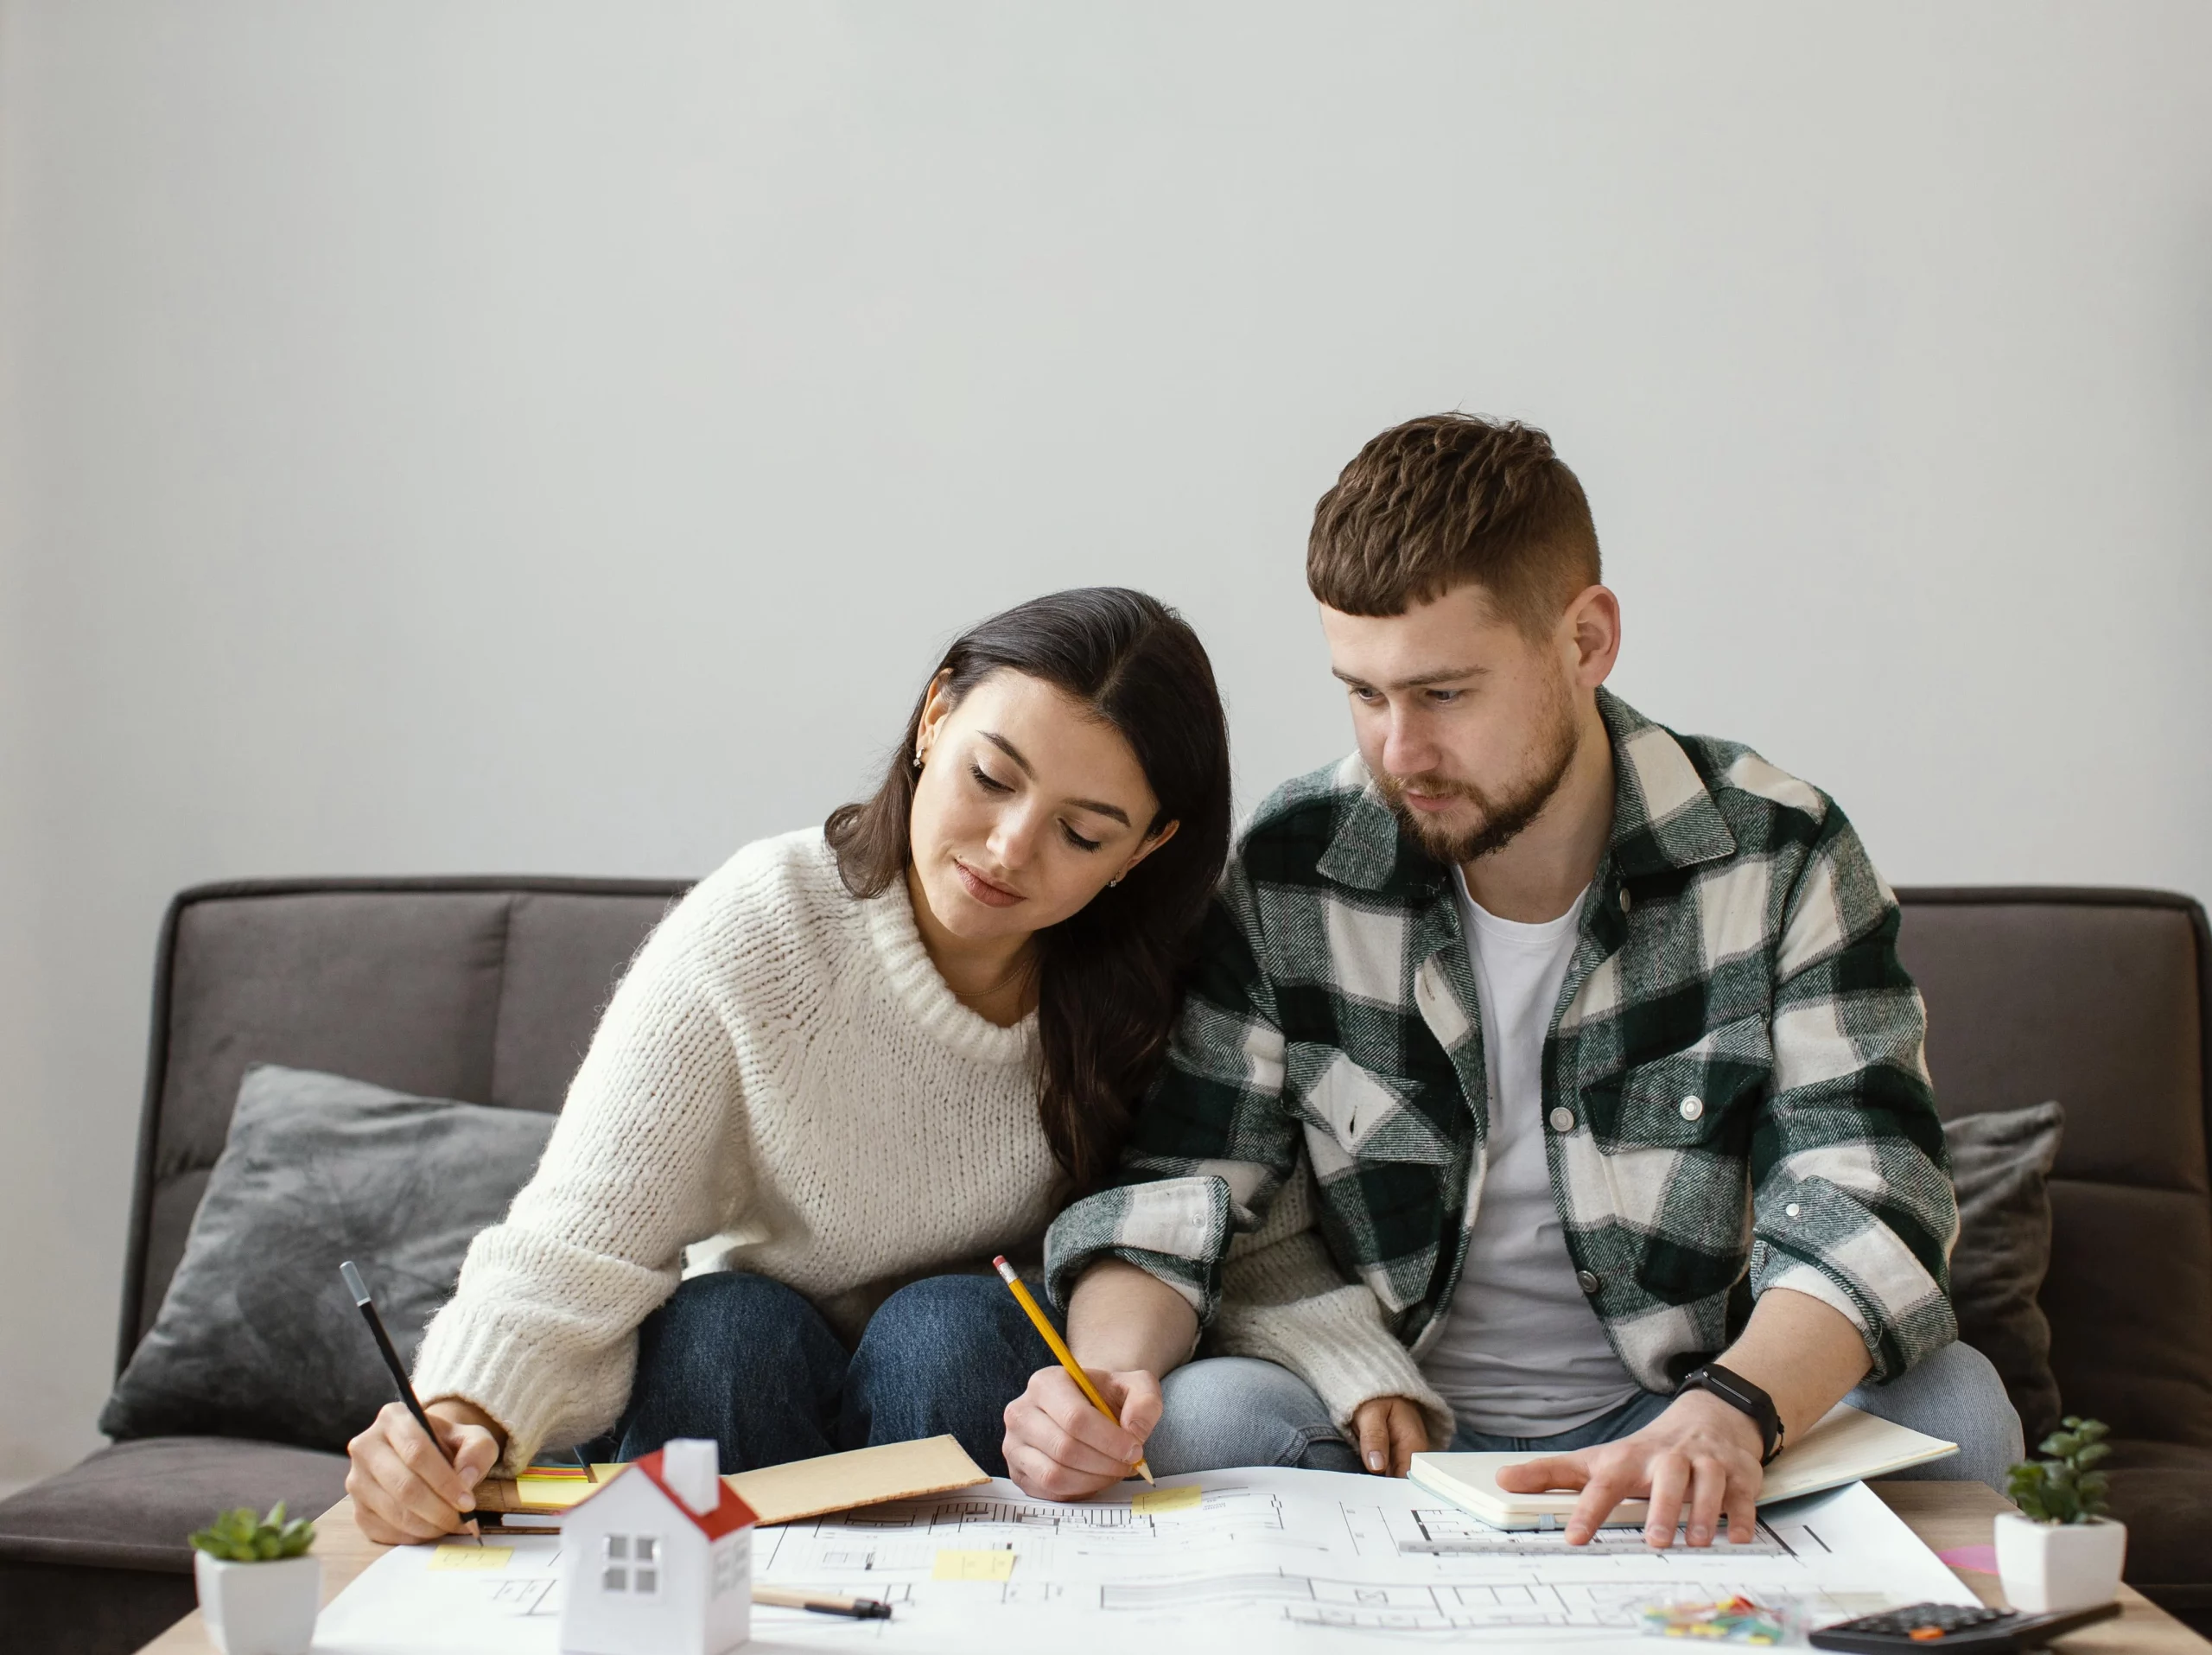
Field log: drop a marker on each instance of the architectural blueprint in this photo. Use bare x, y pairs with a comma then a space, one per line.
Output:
1283, 1560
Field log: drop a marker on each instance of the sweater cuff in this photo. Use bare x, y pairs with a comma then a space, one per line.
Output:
476, 1360
1336, 1342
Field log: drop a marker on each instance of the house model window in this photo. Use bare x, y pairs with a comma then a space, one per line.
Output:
630, 1562
733, 1569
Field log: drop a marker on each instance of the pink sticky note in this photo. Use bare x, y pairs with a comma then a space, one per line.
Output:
1981, 1559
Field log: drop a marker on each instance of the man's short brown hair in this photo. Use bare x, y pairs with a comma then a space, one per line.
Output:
1448, 499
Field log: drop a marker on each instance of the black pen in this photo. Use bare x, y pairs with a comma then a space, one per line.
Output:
359, 1290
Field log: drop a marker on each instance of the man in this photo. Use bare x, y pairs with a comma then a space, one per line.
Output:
1550, 1080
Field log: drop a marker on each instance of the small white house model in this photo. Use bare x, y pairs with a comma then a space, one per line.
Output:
660, 1560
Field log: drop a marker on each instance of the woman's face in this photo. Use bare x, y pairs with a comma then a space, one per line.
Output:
1027, 805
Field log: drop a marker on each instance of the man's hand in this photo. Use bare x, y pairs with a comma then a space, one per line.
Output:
1058, 1447
1700, 1453
402, 1488
1388, 1431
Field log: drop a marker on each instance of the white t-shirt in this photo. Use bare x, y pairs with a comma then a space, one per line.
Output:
1521, 1353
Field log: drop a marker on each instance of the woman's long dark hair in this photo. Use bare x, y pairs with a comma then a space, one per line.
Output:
1109, 977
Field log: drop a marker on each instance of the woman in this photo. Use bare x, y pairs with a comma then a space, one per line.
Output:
851, 1061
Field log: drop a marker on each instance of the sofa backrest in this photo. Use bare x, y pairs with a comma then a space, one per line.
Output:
488, 990
483, 990
2097, 998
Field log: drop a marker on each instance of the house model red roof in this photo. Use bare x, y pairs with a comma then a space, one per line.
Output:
727, 1517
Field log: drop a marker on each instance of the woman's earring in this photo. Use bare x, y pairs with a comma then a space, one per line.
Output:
1116, 879
918, 761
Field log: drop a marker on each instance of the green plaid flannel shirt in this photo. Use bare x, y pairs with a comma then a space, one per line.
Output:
1734, 1088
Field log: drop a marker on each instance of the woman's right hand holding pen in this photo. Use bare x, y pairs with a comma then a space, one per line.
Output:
1059, 1446
404, 1490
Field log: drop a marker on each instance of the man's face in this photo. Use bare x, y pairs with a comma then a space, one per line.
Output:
1467, 724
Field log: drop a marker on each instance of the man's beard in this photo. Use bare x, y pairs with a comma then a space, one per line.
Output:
1503, 820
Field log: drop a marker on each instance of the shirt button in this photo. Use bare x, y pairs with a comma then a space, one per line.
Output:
1587, 1280
1792, 1209
1624, 899
1562, 1119
1692, 1108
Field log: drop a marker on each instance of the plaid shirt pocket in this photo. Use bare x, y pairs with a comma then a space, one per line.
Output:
1385, 1173
1707, 1096
1351, 1112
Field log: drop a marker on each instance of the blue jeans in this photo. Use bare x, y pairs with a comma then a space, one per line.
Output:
1234, 1410
751, 1363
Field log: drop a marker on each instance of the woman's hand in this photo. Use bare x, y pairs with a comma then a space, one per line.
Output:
1059, 1446
402, 1488
1390, 1431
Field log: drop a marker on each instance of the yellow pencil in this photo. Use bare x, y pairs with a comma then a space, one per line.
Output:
1052, 1336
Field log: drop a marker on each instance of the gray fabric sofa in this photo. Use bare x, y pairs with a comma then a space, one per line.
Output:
487, 991
483, 990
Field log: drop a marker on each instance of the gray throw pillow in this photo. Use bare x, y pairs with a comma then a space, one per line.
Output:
257, 1336
2001, 1164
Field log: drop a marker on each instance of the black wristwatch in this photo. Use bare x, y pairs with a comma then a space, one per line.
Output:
1740, 1393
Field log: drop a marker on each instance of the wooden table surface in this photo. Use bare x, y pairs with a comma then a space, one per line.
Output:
1944, 1515
1948, 1515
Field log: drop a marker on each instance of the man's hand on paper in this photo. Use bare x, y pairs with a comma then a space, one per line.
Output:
402, 1489
1058, 1447
1390, 1431
1701, 1454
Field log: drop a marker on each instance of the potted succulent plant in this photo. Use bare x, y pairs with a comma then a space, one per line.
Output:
2060, 1550
258, 1588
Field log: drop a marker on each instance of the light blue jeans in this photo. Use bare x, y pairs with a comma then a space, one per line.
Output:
1234, 1410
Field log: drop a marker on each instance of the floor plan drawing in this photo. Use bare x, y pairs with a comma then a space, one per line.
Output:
1298, 1561
1327, 1561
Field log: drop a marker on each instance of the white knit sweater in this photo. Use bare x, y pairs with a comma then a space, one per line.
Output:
1283, 1300
783, 1078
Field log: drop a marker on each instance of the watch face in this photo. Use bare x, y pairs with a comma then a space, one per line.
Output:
1735, 1393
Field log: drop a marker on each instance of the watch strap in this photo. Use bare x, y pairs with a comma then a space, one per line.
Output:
1741, 1394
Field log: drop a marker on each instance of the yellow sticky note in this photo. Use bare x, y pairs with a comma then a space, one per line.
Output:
452, 1557
974, 1566
554, 1490
1149, 1500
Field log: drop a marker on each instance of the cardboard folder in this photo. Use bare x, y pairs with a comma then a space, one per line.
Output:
834, 1482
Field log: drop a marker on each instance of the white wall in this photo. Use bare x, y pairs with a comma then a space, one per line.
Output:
442, 437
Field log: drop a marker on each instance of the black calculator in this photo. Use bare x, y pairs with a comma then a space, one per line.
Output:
1955, 1626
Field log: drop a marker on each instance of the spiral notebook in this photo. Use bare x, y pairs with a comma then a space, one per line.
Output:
1846, 1447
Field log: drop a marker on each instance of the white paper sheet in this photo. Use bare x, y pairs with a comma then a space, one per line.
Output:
1299, 1559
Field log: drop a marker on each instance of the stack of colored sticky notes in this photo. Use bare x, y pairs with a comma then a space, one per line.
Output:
554, 1487
785, 1493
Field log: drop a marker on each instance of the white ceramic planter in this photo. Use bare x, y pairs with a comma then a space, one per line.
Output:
259, 1608
2046, 1567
